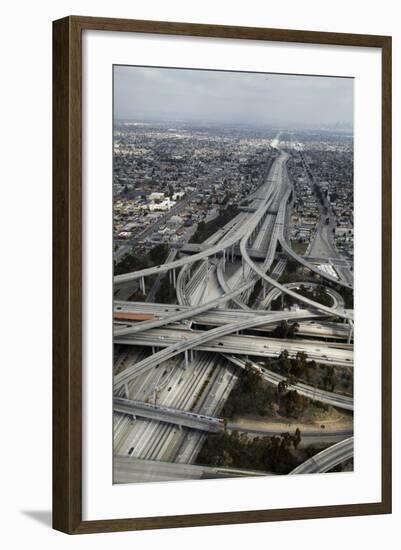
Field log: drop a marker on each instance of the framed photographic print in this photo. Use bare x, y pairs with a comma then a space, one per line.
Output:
222, 274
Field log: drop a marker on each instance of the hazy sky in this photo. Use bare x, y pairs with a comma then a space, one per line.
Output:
162, 94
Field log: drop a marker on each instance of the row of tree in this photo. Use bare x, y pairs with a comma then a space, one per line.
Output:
135, 260
235, 450
299, 368
250, 396
205, 230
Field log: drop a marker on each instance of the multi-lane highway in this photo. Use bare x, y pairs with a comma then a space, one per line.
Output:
175, 405
131, 470
242, 344
200, 338
249, 230
308, 326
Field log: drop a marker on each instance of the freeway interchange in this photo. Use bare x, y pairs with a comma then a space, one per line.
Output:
166, 401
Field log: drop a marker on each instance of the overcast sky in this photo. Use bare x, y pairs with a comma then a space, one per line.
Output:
162, 94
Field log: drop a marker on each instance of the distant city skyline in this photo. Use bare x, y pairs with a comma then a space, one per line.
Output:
152, 94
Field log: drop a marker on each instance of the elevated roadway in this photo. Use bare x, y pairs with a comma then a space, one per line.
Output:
197, 340
338, 300
327, 459
278, 231
249, 228
168, 414
214, 249
240, 344
308, 326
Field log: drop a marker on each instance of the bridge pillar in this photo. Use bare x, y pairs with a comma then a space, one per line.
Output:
351, 332
174, 279
143, 287
126, 391
186, 358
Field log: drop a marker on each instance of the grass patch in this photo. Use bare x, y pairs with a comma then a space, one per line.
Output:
299, 247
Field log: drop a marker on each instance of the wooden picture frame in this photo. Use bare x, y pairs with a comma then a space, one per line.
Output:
67, 274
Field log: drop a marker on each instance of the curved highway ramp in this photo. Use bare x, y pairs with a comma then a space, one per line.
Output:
327, 459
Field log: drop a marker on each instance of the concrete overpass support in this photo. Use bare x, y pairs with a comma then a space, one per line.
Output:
351, 332
264, 289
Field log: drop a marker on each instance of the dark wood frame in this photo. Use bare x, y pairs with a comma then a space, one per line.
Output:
67, 261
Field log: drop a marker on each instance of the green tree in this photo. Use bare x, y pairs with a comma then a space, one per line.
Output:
158, 254
296, 438
284, 362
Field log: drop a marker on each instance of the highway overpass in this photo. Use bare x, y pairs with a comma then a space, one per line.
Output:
242, 344
167, 414
217, 317
196, 340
